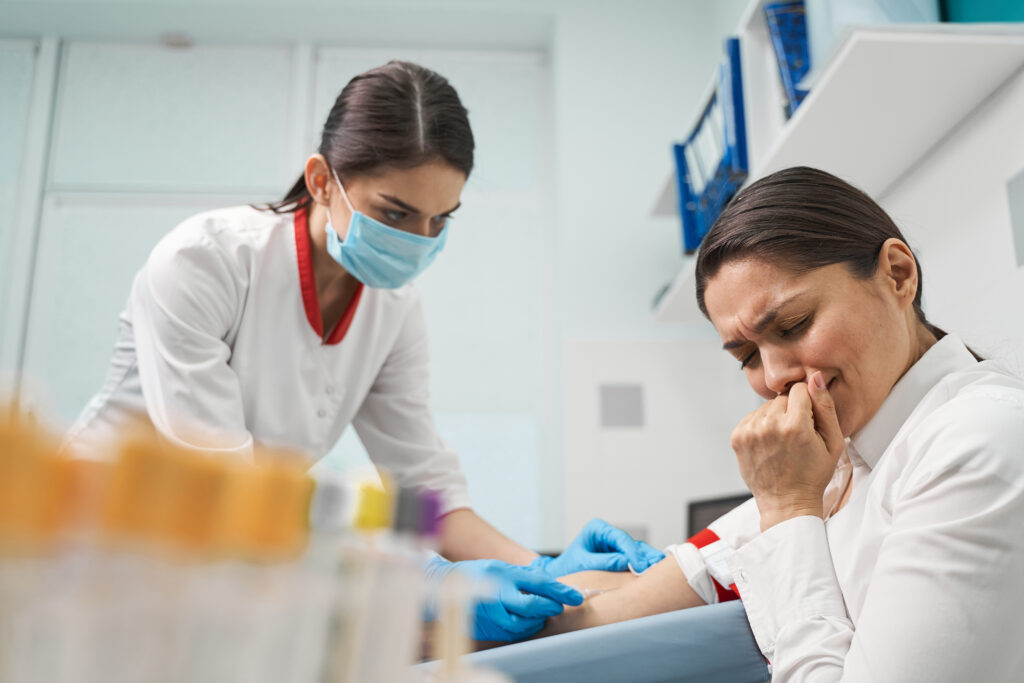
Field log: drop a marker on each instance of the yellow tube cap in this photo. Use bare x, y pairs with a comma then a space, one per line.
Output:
373, 511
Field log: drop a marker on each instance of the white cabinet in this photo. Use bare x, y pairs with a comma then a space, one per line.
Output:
151, 118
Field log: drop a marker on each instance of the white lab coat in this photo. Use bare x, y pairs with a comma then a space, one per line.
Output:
220, 346
917, 577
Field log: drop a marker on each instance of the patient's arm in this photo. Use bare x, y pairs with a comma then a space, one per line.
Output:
598, 579
662, 588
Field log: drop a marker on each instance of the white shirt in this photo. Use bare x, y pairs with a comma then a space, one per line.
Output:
920, 576
221, 346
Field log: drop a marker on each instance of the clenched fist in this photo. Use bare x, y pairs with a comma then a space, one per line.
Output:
788, 449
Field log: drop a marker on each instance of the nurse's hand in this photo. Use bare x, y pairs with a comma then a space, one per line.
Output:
520, 601
788, 449
602, 547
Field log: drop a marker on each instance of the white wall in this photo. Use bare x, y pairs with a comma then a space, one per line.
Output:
643, 477
954, 210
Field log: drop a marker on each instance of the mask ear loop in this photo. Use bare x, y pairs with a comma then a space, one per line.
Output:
344, 195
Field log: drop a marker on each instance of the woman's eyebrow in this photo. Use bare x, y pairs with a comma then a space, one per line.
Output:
766, 320
399, 203
409, 207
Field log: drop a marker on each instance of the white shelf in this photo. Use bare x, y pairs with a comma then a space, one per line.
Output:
679, 302
888, 96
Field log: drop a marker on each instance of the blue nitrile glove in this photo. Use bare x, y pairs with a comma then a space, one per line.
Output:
523, 600
603, 547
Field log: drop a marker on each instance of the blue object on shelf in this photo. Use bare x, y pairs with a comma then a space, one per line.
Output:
711, 164
788, 29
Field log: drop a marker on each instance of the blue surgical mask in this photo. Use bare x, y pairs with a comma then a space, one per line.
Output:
378, 255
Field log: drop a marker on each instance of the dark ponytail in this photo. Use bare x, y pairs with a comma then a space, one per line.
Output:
399, 115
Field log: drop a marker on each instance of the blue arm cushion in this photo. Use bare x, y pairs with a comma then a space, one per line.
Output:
712, 643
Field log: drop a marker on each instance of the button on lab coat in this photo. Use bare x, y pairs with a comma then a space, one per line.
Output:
220, 346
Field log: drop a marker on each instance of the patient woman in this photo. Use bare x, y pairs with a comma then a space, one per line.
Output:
885, 539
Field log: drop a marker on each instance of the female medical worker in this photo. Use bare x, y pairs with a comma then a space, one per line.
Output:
885, 539
281, 326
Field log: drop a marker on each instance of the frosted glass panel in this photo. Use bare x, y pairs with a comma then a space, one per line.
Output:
504, 93
88, 256
484, 307
16, 61
152, 118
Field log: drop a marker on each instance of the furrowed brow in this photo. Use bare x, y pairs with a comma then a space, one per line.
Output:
762, 324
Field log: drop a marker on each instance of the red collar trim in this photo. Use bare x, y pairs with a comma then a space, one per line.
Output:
307, 282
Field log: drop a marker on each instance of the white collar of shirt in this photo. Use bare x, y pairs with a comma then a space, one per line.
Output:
947, 355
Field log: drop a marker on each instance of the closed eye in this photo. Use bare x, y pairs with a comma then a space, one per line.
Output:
789, 331
746, 361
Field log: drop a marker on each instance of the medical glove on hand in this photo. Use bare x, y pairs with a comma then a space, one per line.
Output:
600, 546
521, 598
